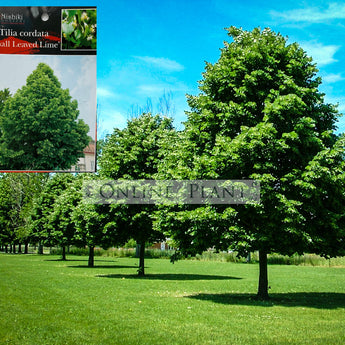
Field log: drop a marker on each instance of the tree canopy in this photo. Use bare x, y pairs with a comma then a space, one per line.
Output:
40, 129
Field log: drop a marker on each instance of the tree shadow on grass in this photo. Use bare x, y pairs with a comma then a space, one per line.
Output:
318, 300
168, 276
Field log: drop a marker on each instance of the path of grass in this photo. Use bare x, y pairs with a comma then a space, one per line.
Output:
47, 301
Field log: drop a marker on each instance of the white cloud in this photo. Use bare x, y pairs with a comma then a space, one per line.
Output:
312, 14
162, 63
321, 54
105, 92
332, 78
108, 120
151, 89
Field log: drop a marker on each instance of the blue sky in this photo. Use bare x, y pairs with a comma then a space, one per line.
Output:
148, 48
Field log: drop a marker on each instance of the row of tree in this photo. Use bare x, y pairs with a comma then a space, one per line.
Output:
259, 115
49, 209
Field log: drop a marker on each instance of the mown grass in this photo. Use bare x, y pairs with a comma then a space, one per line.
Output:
47, 301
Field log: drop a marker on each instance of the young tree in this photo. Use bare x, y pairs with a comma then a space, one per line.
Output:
40, 129
261, 116
133, 153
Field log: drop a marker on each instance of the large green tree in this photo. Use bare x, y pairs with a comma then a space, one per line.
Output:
40, 126
133, 154
260, 115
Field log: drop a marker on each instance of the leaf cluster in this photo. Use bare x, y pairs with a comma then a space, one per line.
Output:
79, 29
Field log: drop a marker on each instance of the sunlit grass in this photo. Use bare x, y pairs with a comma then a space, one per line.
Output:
47, 301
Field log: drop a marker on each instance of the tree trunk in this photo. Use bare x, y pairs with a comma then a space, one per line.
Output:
63, 255
26, 248
137, 250
6, 248
19, 248
40, 249
263, 276
91, 256
141, 270
14, 249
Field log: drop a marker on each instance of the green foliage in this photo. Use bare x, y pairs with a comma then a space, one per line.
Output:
17, 196
79, 29
93, 222
133, 153
59, 221
43, 207
40, 126
4, 95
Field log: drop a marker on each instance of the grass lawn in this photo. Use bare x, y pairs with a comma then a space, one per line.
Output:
47, 301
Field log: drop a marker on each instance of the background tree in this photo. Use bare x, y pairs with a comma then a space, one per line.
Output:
42, 208
6, 206
17, 192
40, 126
60, 223
133, 153
261, 116
95, 227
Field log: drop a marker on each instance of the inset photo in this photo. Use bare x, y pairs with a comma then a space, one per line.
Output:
79, 29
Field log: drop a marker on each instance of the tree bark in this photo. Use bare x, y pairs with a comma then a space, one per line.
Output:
91, 256
26, 248
63, 255
137, 250
263, 276
40, 249
141, 270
